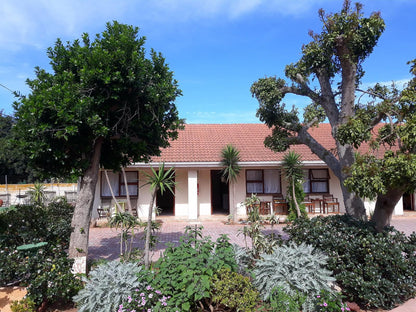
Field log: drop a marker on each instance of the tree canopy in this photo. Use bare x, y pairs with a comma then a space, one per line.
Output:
107, 102
328, 74
101, 88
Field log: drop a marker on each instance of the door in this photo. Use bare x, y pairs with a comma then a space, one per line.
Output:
219, 194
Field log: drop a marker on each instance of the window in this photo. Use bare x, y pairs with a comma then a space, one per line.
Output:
118, 185
316, 181
265, 181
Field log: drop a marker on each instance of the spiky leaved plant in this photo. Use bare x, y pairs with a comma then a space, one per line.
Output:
294, 269
107, 286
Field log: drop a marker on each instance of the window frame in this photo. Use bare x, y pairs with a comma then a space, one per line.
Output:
121, 185
262, 181
312, 180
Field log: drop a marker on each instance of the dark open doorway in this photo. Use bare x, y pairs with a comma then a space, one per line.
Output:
219, 194
409, 201
166, 203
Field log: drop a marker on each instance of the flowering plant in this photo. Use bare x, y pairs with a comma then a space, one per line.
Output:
326, 302
148, 300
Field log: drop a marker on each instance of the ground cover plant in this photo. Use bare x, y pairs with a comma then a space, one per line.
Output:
46, 269
375, 270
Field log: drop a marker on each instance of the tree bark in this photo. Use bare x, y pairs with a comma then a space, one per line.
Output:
78, 245
295, 200
127, 191
384, 208
149, 230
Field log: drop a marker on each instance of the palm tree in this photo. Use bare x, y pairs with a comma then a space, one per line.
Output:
293, 169
230, 157
162, 181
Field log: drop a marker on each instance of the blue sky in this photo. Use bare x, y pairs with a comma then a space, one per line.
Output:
217, 48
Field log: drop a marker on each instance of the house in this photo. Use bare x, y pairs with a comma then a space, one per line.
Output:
199, 191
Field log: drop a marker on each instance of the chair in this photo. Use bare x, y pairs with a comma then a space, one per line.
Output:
280, 205
264, 208
331, 204
309, 204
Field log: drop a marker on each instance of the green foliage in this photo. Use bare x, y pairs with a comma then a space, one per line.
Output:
261, 243
234, 291
37, 194
281, 301
293, 268
373, 269
230, 156
104, 88
127, 223
293, 171
185, 272
329, 302
107, 286
24, 305
146, 299
51, 279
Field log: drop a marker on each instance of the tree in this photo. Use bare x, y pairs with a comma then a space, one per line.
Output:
104, 104
334, 60
230, 157
388, 169
161, 180
293, 169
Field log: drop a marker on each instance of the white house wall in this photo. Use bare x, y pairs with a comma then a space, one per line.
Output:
204, 196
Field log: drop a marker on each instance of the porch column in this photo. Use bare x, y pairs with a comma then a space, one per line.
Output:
192, 194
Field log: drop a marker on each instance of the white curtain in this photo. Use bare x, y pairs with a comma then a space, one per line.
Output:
105, 189
319, 187
271, 181
254, 175
306, 184
254, 188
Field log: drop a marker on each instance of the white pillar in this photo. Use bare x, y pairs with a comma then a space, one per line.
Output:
193, 195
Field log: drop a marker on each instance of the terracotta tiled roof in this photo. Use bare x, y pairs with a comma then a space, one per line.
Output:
204, 142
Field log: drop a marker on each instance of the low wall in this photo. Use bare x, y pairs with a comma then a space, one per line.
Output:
15, 194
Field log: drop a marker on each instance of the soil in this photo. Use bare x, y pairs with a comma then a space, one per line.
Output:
10, 294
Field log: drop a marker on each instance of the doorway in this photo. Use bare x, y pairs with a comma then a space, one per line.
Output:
409, 201
166, 202
219, 194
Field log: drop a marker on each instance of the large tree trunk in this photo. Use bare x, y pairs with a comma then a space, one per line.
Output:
78, 245
149, 230
384, 208
353, 204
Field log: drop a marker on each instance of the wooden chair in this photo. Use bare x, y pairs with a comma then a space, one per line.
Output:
264, 208
280, 205
331, 204
310, 206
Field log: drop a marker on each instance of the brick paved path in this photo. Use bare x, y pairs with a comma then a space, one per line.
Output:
105, 242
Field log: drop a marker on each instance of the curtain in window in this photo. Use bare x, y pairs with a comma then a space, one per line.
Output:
105, 189
319, 187
254, 188
271, 181
306, 183
132, 190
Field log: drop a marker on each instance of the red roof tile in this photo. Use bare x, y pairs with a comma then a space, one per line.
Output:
204, 142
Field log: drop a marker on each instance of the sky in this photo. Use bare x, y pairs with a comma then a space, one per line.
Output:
216, 48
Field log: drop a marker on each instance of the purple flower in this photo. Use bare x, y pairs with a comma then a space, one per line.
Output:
158, 292
325, 304
149, 287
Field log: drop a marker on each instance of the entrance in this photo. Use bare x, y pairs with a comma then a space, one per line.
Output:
219, 194
408, 201
166, 202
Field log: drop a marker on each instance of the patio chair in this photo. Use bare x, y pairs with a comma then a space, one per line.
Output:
280, 205
310, 206
331, 204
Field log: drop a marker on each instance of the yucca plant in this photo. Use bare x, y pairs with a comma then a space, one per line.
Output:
107, 286
230, 156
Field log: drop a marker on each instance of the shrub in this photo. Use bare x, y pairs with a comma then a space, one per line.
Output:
24, 305
373, 269
234, 291
294, 269
107, 286
53, 281
184, 272
280, 301
146, 299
